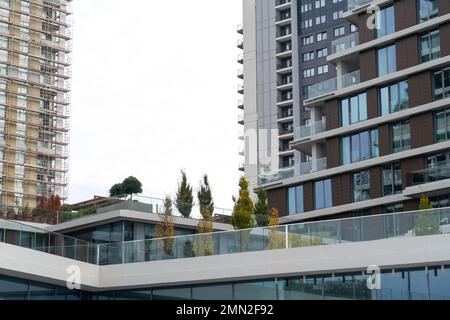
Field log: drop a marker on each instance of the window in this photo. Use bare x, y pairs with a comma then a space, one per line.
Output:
307, 23
354, 109
441, 84
361, 186
339, 31
392, 179
428, 9
295, 196
308, 56
320, 4
338, 14
308, 40
385, 21
360, 146
306, 7
394, 97
393, 209
387, 62
321, 36
323, 194
443, 126
320, 20
430, 46
401, 136
322, 53
353, 28
308, 73
322, 69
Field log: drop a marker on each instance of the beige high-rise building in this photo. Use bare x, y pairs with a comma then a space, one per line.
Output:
35, 47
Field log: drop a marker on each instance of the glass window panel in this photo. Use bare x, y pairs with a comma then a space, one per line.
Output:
394, 286
355, 148
13, 289
299, 288
364, 145
338, 287
375, 146
319, 195
394, 98
291, 199
439, 281
213, 292
418, 286
354, 109
382, 62
362, 107
404, 95
392, 59
299, 199
328, 194
346, 150
385, 108
345, 114
172, 294
256, 290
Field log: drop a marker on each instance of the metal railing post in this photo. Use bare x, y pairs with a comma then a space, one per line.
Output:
286, 236
98, 254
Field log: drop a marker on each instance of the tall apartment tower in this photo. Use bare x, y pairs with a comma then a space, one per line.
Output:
379, 134
285, 44
35, 47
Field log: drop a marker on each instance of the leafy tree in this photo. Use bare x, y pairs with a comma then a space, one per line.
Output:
274, 217
116, 190
262, 209
185, 199
204, 196
166, 227
424, 203
131, 185
205, 241
426, 223
243, 208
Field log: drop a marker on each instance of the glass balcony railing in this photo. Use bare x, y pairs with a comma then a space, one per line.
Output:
309, 130
344, 43
297, 170
352, 4
437, 173
23, 235
312, 166
328, 86
309, 234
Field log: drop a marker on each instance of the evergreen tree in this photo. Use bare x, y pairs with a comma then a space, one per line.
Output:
205, 243
262, 209
116, 190
205, 199
185, 199
424, 203
243, 208
166, 228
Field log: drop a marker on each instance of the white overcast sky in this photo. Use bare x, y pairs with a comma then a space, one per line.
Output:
154, 91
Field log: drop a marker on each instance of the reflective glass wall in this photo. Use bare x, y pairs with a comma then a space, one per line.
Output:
402, 284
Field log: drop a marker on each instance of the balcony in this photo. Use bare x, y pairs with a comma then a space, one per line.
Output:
241, 166
284, 49
285, 148
309, 130
283, 18
331, 85
289, 113
240, 89
284, 65
280, 3
241, 104
280, 175
285, 81
240, 43
297, 170
285, 98
344, 43
240, 59
240, 74
241, 119
353, 4
241, 135
284, 34
286, 131
312, 166
435, 174
241, 151
240, 28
